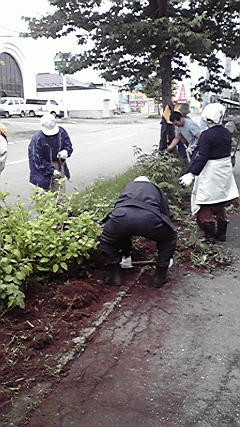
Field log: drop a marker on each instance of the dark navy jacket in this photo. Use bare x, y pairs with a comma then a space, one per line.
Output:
147, 196
42, 151
214, 143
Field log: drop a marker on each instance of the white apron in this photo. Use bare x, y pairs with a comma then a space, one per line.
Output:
214, 184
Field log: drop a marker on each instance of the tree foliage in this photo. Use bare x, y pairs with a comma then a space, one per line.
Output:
138, 39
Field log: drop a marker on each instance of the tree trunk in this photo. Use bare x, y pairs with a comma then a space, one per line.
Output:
166, 79
159, 9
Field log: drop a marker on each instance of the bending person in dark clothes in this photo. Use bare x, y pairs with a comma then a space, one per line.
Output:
141, 210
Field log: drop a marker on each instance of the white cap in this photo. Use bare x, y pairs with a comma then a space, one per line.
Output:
142, 178
213, 113
48, 125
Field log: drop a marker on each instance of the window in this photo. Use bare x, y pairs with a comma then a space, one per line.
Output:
36, 101
11, 82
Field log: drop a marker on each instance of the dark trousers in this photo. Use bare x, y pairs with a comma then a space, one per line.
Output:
211, 214
124, 223
166, 135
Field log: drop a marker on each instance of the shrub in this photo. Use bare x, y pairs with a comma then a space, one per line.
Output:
41, 244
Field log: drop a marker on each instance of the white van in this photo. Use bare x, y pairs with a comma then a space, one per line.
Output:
38, 107
12, 106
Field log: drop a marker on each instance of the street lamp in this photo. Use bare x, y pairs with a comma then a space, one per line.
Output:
59, 63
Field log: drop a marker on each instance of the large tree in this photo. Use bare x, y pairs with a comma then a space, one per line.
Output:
138, 39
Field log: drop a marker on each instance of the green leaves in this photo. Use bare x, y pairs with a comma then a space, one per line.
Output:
41, 245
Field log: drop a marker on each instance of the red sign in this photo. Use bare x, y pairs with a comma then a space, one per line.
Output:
182, 97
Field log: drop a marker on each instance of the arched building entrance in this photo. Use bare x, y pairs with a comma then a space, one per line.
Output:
11, 81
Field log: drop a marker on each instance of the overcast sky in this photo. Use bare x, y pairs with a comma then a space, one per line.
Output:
12, 10
11, 23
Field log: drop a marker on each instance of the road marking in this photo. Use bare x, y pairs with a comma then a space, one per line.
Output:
16, 162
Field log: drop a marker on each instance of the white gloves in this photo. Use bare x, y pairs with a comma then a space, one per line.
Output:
56, 174
186, 180
63, 155
126, 262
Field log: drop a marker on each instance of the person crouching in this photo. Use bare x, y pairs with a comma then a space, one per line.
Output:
141, 210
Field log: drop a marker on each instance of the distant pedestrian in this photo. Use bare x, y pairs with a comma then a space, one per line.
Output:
187, 135
47, 152
212, 173
141, 210
167, 133
3, 147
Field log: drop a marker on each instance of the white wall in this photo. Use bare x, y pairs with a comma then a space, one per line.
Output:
85, 102
18, 48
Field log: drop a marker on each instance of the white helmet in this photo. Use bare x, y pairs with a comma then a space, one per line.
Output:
142, 178
213, 113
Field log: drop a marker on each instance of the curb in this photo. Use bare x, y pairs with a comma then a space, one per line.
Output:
30, 400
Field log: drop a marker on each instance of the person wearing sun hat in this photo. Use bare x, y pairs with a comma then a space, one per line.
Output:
3, 147
47, 153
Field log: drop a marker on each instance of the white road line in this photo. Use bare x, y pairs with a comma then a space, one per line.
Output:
16, 162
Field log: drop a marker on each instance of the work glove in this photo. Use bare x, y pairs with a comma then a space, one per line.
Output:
126, 262
63, 154
186, 180
56, 174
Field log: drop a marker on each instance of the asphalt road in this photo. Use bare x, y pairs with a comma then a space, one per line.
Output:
101, 148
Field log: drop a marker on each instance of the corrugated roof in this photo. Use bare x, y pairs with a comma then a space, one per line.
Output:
54, 81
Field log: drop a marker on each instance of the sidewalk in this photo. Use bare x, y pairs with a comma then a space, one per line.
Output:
124, 118
168, 357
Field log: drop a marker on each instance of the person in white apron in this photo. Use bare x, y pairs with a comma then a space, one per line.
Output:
212, 173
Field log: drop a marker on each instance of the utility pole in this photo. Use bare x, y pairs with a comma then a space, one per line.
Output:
59, 63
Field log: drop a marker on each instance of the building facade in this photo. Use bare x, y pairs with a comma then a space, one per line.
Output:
21, 74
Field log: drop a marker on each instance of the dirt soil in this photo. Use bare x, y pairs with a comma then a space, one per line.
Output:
33, 338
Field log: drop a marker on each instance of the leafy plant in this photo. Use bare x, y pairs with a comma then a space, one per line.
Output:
42, 244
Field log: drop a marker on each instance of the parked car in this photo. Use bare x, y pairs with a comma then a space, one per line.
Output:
232, 110
12, 106
231, 121
38, 107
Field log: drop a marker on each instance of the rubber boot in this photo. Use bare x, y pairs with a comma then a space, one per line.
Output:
113, 277
160, 277
209, 230
221, 231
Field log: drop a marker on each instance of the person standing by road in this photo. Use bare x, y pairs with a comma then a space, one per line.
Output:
212, 173
3, 147
47, 152
141, 210
187, 135
167, 133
